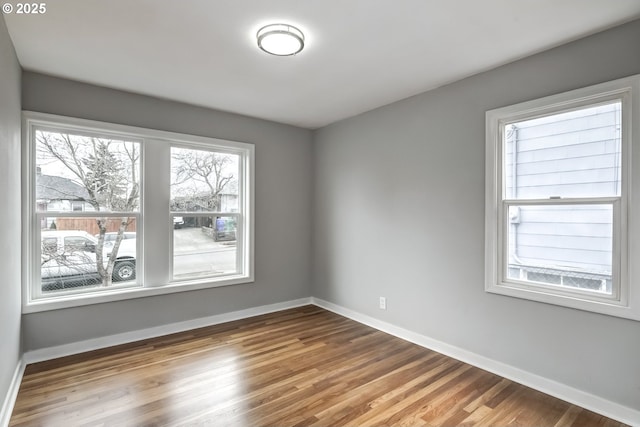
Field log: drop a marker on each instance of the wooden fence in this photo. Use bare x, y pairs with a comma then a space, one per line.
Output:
90, 225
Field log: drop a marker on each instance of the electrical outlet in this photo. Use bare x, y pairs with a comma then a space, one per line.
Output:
383, 303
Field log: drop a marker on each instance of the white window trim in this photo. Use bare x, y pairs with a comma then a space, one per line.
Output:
626, 300
148, 284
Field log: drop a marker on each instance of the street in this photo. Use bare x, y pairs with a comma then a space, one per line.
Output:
197, 255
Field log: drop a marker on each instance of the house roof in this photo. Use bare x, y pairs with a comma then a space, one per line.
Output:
49, 187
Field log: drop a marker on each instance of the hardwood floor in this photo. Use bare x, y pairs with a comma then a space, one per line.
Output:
299, 367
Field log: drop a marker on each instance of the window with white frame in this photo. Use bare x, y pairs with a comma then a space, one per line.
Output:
558, 199
97, 233
205, 198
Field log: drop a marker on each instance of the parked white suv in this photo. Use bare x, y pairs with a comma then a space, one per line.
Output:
69, 259
111, 237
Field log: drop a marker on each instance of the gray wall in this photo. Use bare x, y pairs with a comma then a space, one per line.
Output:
10, 211
283, 205
399, 212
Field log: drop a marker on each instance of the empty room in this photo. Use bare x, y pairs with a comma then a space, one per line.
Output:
320, 213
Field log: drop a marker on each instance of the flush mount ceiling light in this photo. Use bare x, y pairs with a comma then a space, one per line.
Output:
280, 39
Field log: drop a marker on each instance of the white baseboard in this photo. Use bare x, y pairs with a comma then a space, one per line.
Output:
127, 337
12, 394
561, 391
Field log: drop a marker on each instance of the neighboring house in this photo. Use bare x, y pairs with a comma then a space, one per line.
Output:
229, 197
227, 202
201, 202
55, 193
574, 154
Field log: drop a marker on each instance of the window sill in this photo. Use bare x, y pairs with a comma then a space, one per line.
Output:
62, 302
611, 308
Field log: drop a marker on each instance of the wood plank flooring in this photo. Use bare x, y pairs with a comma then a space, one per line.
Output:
298, 367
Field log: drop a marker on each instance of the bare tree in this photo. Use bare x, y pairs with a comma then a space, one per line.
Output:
108, 171
206, 168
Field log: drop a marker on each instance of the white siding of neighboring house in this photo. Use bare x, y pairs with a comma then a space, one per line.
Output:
62, 206
229, 202
576, 156
68, 206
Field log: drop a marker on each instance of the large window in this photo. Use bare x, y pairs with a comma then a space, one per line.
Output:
109, 205
559, 182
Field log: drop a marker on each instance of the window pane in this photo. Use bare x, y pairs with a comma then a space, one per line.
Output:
204, 246
84, 173
562, 245
70, 248
203, 181
571, 154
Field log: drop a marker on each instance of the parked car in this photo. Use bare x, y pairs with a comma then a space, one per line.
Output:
111, 236
178, 222
68, 259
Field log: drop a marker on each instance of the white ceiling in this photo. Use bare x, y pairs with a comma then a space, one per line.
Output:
359, 54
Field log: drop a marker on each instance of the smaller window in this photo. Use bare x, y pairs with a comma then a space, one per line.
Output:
207, 212
559, 176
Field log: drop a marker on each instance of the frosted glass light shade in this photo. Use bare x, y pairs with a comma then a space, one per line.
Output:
280, 39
